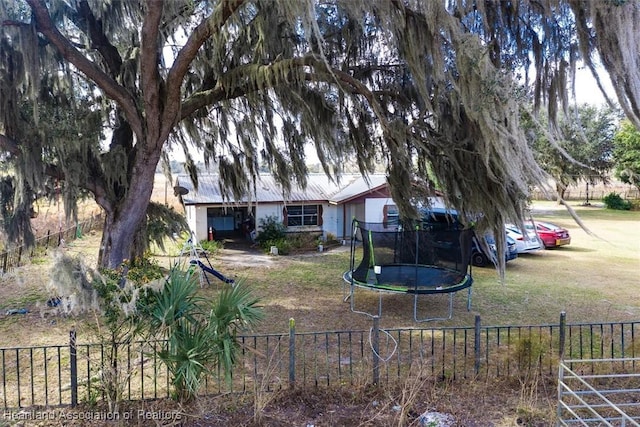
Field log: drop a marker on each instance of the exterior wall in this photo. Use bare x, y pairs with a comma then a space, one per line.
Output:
197, 220
332, 219
374, 209
336, 219
264, 210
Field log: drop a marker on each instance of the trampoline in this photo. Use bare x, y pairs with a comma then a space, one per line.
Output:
410, 258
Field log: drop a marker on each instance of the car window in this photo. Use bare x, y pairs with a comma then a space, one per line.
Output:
440, 220
513, 230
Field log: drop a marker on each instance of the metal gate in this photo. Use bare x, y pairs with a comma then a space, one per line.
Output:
599, 392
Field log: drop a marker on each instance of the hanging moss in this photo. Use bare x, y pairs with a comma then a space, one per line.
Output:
427, 89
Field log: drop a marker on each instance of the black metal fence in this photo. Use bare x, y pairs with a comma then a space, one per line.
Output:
75, 373
18, 256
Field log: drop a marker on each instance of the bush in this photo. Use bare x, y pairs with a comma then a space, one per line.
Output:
331, 238
140, 271
304, 241
283, 245
532, 350
201, 335
272, 230
211, 246
614, 201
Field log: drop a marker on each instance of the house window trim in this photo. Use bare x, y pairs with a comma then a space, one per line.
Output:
317, 215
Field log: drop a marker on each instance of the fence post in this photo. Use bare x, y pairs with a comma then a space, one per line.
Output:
375, 344
563, 334
73, 362
5, 259
292, 352
19, 256
476, 346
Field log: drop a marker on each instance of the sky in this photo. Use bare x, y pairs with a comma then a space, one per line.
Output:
587, 90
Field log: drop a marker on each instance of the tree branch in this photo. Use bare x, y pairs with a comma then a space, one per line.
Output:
323, 73
99, 40
185, 57
10, 145
209, 96
73, 55
94, 186
150, 77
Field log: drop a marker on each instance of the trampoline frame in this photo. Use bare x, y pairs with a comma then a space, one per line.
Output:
451, 290
416, 289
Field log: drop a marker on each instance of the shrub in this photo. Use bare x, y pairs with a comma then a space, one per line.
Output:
614, 201
304, 240
118, 326
331, 238
283, 245
211, 246
272, 230
201, 335
532, 350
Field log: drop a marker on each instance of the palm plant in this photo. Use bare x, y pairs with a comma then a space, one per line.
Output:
198, 338
236, 309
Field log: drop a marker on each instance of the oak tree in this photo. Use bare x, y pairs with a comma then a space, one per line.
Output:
426, 88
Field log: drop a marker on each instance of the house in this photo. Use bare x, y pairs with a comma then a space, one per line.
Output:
323, 207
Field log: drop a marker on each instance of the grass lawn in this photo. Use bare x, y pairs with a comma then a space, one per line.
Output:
594, 279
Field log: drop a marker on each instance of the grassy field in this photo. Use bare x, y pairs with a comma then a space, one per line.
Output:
592, 279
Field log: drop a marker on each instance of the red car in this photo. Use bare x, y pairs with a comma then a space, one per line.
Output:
551, 235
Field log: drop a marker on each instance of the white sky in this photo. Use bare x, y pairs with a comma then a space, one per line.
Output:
587, 90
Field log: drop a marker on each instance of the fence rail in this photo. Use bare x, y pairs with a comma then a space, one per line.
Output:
595, 392
593, 192
69, 374
16, 257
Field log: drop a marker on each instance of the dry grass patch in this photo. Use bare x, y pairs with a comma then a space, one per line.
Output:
592, 280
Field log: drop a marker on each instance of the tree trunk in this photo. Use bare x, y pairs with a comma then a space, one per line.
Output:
561, 189
123, 235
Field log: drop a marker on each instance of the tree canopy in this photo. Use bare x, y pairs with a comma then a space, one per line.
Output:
427, 88
583, 149
626, 153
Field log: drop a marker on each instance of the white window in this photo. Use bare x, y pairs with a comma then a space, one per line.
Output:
298, 215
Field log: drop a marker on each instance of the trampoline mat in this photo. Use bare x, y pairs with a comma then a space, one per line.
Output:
415, 279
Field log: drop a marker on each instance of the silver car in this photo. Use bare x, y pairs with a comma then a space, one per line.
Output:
529, 243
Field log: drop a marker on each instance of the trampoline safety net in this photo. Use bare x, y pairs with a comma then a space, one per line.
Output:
412, 257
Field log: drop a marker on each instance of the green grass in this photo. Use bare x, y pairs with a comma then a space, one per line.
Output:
594, 279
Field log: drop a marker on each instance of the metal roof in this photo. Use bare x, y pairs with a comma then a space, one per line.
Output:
359, 187
319, 188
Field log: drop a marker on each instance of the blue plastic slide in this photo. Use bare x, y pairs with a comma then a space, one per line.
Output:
212, 271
